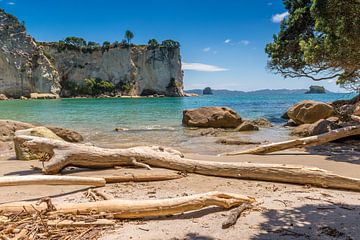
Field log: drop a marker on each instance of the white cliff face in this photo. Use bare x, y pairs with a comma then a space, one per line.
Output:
156, 71
26, 66
23, 66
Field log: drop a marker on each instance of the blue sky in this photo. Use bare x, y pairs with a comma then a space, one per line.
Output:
222, 42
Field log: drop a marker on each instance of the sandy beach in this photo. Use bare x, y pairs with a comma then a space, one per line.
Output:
283, 211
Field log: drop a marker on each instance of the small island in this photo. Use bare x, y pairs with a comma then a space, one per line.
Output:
207, 91
316, 90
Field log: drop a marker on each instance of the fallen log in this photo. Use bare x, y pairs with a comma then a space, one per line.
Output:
129, 209
62, 154
302, 142
51, 180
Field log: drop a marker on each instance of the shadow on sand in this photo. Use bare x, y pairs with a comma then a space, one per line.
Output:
348, 151
315, 221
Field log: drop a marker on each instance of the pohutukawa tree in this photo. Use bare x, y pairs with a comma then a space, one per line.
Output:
319, 40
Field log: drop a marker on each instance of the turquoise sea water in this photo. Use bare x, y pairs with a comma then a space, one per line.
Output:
156, 120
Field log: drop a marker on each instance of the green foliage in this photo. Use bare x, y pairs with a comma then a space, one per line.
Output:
170, 44
152, 44
75, 41
320, 40
129, 36
124, 86
96, 86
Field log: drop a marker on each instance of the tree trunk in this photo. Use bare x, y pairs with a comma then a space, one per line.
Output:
51, 180
302, 142
126, 209
62, 154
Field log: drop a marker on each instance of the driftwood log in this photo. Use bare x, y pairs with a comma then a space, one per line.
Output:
302, 142
127, 209
51, 180
89, 181
62, 154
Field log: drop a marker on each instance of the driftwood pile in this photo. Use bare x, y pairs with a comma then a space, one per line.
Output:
47, 220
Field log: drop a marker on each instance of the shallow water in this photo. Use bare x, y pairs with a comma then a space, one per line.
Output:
157, 120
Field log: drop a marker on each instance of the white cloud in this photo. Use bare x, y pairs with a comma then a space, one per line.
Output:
227, 41
201, 67
277, 18
11, 3
244, 42
207, 49
269, 3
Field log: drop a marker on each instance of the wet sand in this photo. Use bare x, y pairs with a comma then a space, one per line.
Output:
285, 211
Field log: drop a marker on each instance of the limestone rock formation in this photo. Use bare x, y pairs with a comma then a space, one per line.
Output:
217, 117
309, 111
29, 67
23, 66
137, 69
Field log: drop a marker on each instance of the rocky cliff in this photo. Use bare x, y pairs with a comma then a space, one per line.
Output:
27, 66
134, 70
23, 66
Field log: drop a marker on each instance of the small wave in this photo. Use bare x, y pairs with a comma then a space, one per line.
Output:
147, 128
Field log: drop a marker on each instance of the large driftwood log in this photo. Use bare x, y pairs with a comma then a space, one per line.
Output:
126, 209
302, 142
62, 154
51, 180
142, 177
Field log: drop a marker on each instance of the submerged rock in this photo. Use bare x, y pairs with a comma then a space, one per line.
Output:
262, 122
320, 127
247, 126
216, 117
309, 111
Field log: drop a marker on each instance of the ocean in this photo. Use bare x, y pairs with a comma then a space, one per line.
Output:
157, 121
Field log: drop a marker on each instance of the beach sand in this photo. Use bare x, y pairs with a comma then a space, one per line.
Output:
285, 211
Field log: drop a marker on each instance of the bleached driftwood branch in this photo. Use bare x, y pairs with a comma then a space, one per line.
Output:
127, 209
62, 154
302, 142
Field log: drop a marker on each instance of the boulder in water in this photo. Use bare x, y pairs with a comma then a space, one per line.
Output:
216, 117
310, 111
66, 134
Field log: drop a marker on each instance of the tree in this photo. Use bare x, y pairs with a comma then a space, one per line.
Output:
75, 41
153, 43
129, 36
170, 44
319, 40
